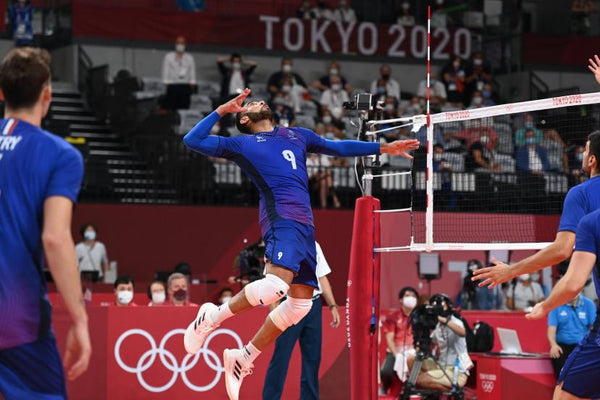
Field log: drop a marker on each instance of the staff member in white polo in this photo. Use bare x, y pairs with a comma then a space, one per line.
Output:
308, 332
91, 254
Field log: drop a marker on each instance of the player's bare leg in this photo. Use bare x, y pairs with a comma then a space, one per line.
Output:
560, 394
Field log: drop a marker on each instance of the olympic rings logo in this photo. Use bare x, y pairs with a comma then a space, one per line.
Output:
487, 386
169, 361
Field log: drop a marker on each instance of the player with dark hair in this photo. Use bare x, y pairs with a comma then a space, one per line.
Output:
580, 376
274, 158
580, 201
40, 177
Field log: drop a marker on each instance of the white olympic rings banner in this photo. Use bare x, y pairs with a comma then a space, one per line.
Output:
170, 362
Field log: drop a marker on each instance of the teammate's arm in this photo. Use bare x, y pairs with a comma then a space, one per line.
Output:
568, 286
199, 138
554, 253
62, 262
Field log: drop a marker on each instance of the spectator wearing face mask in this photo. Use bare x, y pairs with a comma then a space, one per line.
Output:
453, 76
484, 298
524, 294
179, 74
397, 332
488, 95
391, 86
528, 124
531, 157
157, 293
478, 72
405, 16
225, 295
333, 70
177, 290
344, 13
123, 288
283, 112
436, 89
481, 156
476, 100
567, 325
235, 75
288, 82
91, 254
333, 99
575, 158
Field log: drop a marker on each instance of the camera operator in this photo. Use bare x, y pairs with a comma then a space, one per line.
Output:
250, 263
449, 334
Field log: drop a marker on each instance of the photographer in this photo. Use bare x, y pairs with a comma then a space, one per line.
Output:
449, 334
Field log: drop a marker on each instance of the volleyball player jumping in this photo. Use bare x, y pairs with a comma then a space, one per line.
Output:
274, 158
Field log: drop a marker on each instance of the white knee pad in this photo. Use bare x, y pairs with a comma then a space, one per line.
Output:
290, 312
266, 291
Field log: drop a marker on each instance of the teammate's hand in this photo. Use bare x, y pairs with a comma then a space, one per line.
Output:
538, 312
335, 318
595, 67
493, 276
555, 351
400, 147
79, 350
234, 105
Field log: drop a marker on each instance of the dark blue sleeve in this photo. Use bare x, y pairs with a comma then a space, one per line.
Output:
341, 148
587, 232
67, 174
199, 138
574, 208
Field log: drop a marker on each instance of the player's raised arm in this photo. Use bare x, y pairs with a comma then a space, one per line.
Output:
594, 66
199, 139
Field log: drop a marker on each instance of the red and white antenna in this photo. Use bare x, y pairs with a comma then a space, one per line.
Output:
428, 57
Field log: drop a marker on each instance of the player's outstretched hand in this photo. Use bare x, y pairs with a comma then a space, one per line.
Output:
538, 312
79, 350
493, 276
400, 147
234, 105
595, 67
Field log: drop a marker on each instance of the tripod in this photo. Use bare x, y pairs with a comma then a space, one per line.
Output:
410, 387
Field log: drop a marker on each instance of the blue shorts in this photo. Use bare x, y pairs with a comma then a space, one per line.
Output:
291, 245
32, 371
581, 372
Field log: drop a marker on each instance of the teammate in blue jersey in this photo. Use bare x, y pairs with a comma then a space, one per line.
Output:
274, 158
40, 176
581, 200
580, 376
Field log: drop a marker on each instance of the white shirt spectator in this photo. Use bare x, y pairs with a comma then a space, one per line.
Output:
323, 268
525, 296
344, 15
437, 88
334, 100
535, 162
91, 258
323, 13
236, 84
392, 88
178, 69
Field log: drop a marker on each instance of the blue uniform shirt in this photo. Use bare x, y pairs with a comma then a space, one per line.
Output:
581, 200
276, 162
34, 165
573, 323
588, 239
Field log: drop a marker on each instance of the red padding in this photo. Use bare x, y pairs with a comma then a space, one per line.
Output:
363, 300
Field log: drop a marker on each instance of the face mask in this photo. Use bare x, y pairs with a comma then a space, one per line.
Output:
477, 100
236, 66
279, 101
487, 95
409, 302
484, 139
89, 235
472, 267
381, 89
535, 276
437, 157
124, 296
530, 141
529, 124
329, 136
336, 88
327, 119
524, 277
158, 298
225, 299
287, 68
180, 48
478, 62
405, 6
286, 88
214, 129
334, 71
180, 295
389, 107
385, 77
580, 156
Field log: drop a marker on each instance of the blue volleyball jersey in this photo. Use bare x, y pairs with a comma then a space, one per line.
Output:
275, 161
588, 239
581, 200
34, 165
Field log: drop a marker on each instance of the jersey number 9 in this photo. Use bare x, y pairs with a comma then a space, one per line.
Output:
289, 156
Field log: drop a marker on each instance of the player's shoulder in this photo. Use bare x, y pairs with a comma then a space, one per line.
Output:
303, 131
591, 220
